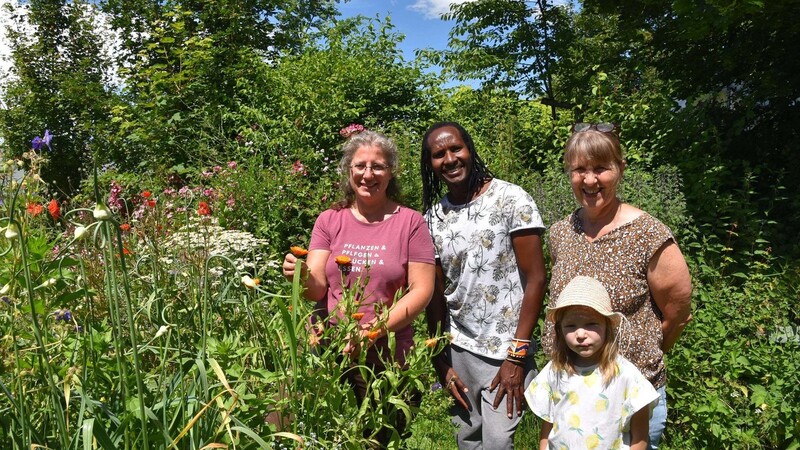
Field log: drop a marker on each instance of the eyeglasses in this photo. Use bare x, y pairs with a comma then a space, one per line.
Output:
603, 127
377, 169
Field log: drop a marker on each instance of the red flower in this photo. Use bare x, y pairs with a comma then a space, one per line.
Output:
54, 209
151, 203
146, 194
34, 209
125, 227
203, 209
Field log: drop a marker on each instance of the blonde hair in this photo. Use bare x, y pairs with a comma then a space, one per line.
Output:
593, 145
563, 357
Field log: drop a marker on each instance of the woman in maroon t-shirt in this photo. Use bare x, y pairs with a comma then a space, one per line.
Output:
380, 237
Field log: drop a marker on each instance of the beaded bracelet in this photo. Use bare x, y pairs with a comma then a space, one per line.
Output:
518, 351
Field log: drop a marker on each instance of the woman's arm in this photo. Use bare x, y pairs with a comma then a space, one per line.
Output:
527, 246
544, 434
671, 287
312, 276
421, 278
640, 429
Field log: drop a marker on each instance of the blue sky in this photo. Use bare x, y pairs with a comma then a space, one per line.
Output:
418, 20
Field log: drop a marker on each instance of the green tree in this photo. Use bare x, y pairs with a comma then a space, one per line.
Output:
509, 44
59, 82
352, 73
191, 64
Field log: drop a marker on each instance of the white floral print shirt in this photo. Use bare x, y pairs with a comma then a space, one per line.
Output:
482, 282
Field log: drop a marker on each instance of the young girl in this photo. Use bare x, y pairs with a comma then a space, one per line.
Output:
588, 395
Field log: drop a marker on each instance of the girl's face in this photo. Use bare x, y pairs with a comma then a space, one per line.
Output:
584, 331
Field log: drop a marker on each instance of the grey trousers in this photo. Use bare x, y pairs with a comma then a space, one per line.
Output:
483, 427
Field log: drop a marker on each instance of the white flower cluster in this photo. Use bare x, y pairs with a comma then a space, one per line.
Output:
203, 239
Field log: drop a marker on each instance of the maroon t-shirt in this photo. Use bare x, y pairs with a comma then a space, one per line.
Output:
379, 254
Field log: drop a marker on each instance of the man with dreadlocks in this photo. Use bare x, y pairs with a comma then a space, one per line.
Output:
489, 286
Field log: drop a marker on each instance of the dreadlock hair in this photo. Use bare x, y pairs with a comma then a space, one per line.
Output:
431, 184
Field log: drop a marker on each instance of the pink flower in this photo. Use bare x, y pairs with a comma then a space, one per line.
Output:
232, 164
351, 129
114, 200
298, 167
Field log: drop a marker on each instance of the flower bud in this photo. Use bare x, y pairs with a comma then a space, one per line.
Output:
161, 330
101, 212
80, 232
48, 282
249, 282
12, 232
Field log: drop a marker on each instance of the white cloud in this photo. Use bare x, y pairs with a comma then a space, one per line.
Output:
433, 9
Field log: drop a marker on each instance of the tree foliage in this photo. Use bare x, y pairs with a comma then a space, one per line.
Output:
509, 43
735, 73
59, 81
191, 64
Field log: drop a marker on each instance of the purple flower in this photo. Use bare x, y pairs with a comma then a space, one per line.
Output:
6, 300
47, 138
436, 386
63, 315
38, 142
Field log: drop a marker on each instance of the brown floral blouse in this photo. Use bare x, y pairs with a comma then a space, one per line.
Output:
619, 260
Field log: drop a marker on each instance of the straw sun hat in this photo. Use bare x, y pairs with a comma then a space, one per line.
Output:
585, 291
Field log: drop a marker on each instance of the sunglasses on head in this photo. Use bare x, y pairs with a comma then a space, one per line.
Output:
603, 127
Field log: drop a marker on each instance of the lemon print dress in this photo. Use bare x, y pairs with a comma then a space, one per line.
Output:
585, 412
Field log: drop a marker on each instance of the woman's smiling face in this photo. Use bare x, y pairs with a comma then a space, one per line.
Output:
370, 173
594, 183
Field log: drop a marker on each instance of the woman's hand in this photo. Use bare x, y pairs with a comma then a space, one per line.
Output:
357, 343
313, 282
289, 265
509, 381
